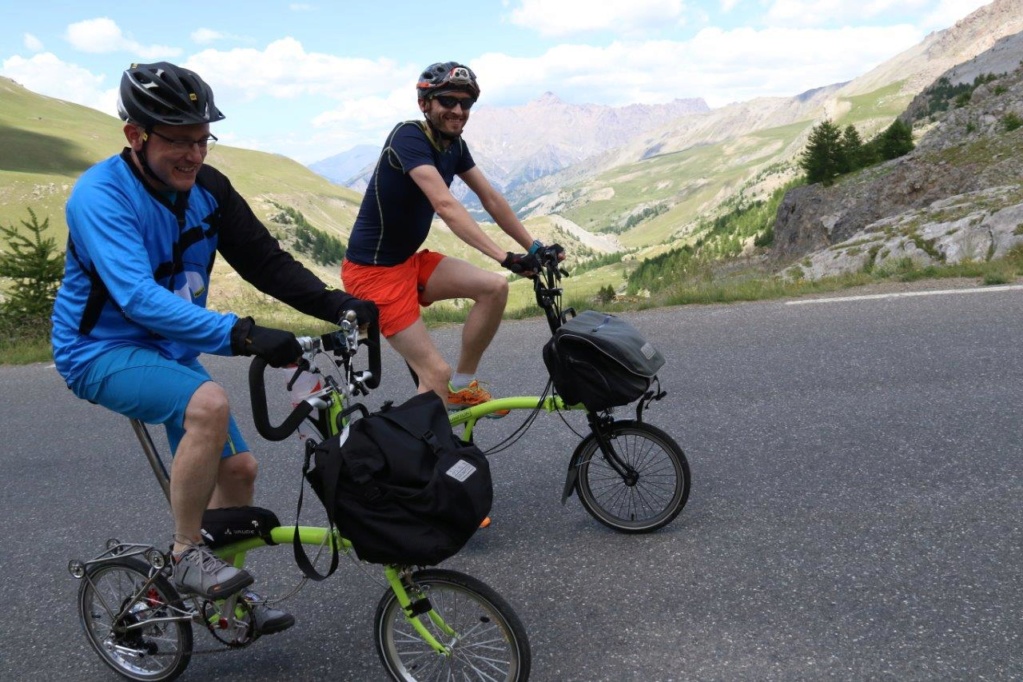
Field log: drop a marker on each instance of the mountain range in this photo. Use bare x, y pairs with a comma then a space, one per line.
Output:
638, 180
551, 157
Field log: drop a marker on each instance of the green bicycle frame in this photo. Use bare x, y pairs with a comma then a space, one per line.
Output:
468, 417
319, 536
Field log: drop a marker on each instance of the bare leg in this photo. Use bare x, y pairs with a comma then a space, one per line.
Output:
236, 481
455, 278
196, 462
415, 345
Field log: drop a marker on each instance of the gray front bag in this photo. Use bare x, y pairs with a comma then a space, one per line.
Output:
601, 361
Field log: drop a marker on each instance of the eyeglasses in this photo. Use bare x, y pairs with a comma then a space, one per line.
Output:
450, 102
205, 144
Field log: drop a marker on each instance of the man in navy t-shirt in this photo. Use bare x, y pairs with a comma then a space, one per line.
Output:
384, 262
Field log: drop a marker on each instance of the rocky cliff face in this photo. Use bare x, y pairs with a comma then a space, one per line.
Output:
957, 196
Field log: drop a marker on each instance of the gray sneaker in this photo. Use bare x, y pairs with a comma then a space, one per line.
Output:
267, 620
198, 571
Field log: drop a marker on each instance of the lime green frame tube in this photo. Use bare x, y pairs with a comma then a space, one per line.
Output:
319, 536
469, 416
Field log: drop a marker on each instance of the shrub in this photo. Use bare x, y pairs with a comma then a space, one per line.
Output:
35, 268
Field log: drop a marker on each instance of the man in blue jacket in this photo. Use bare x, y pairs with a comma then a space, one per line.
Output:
130, 319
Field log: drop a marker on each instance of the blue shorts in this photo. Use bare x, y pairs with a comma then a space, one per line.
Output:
140, 383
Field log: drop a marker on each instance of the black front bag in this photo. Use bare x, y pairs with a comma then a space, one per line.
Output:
402, 487
601, 361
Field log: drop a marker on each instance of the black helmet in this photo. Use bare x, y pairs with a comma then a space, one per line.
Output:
444, 77
164, 93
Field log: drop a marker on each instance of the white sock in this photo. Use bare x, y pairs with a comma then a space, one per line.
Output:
459, 381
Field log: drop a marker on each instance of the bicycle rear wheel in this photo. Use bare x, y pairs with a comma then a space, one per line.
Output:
655, 484
143, 643
486, 638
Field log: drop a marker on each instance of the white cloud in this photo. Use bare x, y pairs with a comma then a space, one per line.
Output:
208, 36
721, 66
47, 75
565, 17
370, 118
32, 44
336, 102
837, 12
103, 35
284, 70
205, 36
929, 15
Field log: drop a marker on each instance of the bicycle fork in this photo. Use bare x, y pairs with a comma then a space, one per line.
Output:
399, 578
598, 430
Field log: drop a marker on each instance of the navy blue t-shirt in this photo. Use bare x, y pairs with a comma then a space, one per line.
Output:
395, 216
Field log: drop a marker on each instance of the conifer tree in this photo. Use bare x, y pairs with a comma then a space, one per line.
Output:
896, 140
35, 267
852, 150
823, 158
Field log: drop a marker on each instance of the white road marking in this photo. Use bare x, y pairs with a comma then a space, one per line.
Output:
941, 292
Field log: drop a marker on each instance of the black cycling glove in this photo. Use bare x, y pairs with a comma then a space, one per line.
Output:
276, 346
527, 264
366, 312
557, 250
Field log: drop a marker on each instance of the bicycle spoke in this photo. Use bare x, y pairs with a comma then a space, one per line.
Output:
650, 493
132, 623
487, 644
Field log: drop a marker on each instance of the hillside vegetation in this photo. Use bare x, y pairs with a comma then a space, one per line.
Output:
711, 206
48, 143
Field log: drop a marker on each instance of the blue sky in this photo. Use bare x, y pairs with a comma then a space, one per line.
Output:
312, 79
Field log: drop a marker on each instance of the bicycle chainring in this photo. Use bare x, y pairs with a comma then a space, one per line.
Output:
236, 632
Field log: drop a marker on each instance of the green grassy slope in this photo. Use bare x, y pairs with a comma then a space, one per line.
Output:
47, 143
692, 183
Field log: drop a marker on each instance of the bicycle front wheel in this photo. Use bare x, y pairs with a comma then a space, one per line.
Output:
137, 626
485, 638
642, 487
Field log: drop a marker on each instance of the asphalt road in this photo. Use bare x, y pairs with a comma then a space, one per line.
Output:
855, 511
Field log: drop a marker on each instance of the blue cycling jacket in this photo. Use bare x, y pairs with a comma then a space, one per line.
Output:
139, 261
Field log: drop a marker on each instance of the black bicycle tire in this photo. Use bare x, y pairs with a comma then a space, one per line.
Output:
165, 589
588, 453
389, 611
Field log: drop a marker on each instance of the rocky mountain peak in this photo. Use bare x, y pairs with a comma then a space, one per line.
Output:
547, 99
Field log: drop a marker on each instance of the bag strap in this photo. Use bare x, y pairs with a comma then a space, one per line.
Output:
421, 430
330, 490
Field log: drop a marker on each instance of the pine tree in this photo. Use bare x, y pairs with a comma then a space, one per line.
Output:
36, 268
823, 157
896, 140
852, 150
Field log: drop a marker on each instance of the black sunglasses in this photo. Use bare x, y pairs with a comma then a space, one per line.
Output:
450, 102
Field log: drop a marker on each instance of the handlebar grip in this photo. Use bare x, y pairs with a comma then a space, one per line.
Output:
260, 411
372, 341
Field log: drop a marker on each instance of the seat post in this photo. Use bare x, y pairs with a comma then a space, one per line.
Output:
153, 455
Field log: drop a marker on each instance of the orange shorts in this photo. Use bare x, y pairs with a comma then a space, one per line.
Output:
396, 289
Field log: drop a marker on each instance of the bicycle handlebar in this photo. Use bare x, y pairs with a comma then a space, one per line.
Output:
546, 287
342, 343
